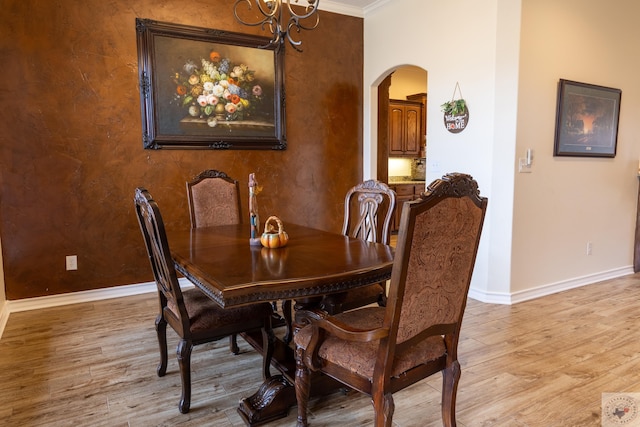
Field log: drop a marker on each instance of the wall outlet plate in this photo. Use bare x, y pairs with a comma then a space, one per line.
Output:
523, 167
72, 262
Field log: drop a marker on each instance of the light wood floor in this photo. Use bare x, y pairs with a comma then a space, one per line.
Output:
544, 362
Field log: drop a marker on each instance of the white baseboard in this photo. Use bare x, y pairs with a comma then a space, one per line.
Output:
4, 316
490, 297
76, 297
551, 288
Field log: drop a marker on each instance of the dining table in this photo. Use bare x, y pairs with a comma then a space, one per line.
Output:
222, 263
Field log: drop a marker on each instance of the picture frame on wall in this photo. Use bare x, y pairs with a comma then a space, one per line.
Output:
209, 89
587, 119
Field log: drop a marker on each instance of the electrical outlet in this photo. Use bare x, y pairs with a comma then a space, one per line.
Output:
589, 248
72, 262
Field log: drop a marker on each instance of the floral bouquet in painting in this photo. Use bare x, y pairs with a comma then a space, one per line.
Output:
217, 89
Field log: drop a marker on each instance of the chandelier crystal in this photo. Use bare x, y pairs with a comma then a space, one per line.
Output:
271, 14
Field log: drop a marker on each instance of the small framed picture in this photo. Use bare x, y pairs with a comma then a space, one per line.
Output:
586, 120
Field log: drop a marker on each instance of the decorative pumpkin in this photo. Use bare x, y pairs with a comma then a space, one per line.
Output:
273, 238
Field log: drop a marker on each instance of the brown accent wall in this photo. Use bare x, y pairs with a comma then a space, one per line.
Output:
71, 146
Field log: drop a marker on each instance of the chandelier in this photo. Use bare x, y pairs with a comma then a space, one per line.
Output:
272, 16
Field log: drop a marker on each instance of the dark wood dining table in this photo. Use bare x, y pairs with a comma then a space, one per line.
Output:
221, 262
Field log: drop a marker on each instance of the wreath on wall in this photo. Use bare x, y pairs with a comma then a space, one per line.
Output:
454, 107
456, 112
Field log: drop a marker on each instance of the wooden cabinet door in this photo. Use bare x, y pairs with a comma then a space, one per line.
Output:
413, 126
404, 193
422, 99
396, 129
405, 128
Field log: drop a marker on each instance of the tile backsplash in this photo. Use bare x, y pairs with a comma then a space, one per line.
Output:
418, 168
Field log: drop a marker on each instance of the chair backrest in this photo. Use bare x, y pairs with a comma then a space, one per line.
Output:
164, 272
437, 245
214, 199
368, 209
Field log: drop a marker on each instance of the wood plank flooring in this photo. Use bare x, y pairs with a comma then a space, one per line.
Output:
544, 362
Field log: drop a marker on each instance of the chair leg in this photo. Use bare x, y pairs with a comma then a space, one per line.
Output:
233, 344
286, 313
302, 387
384, 407
161, 331
450, 378
184, 361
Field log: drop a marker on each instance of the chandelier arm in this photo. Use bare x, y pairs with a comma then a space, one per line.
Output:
277, 36
294, 43
309, 9
301, 25
272, 12
269, 15
269, 8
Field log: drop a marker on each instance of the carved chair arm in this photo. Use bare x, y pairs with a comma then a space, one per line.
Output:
347, 332
320, 319
321, 327
306, 316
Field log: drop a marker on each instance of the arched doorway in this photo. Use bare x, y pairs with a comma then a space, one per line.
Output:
407, 82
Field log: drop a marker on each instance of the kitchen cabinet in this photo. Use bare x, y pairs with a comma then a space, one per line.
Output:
422, 99
404, 193
405, 128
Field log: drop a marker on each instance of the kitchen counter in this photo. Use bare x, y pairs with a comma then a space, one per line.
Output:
405, 180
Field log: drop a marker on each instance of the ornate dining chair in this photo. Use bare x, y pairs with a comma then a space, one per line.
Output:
214, 199
380, 350
368, 209
194, 317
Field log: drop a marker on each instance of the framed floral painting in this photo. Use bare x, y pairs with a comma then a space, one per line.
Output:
204, 88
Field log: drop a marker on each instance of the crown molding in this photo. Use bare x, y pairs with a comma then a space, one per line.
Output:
350, 10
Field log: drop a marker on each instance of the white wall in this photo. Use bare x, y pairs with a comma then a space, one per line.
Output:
454, 42
507, 56
500, 218
569, 201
